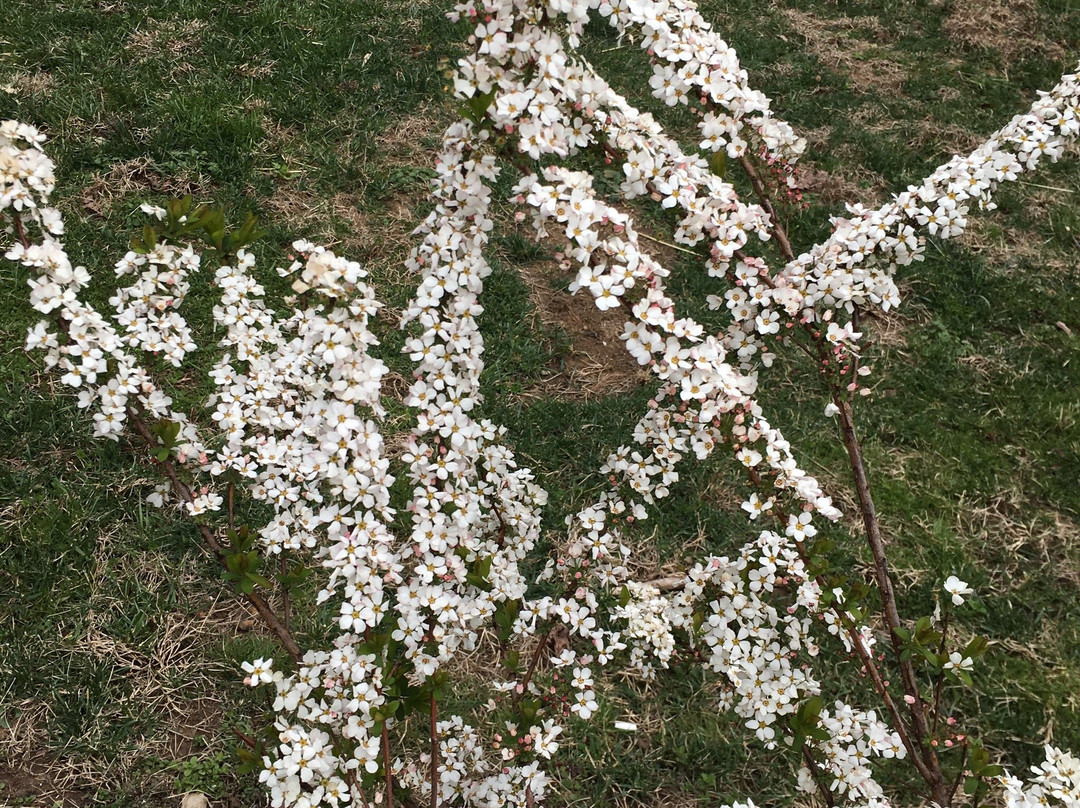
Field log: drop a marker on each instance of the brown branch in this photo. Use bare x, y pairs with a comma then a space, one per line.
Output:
532, 666
938, 685
960, 772
20, 232
928, 766
184, 492
865, 656
766, 203
888, 600
434, 719
285, 598
386, 766
817, 773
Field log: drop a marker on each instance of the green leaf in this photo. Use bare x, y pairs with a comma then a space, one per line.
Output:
718, 163
977, 647
811, 710
259, 580
513, 661
528, 709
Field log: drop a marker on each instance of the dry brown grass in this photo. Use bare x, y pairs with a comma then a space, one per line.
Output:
175, 39
33, 84
1014, 541
853, 46
1009, 27
170, 677
835, 189
136, 176
1009, 249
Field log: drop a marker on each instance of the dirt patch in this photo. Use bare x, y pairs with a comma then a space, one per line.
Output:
1009, 27
32, 778
596, 364
137, 176
851, 45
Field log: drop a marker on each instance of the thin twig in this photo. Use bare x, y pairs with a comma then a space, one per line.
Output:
686, 250
285, 597
247, 740
941, 676
766, 203
434, 751
532, 666
1047, 187
261, 606
817, 773
386, 766
888, 597
960, 773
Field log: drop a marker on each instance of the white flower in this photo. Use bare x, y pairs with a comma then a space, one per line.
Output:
153, 210
958, 661
261, 671
957, 588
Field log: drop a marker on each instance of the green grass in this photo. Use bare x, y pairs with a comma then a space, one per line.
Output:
119, 647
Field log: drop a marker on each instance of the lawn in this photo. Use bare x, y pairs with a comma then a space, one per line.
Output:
120, 645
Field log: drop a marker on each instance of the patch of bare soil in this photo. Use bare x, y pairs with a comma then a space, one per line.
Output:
28, 781
597, 364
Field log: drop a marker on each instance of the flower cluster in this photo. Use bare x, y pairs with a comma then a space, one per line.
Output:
82, 343
1056, 779
148, 309
298, 423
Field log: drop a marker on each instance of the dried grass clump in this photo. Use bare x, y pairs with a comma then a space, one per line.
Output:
1010, 27
840, 43
137, 176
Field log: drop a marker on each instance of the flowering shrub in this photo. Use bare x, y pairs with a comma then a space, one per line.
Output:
295, 424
